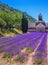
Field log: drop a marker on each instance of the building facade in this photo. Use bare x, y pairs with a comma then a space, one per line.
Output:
39, 25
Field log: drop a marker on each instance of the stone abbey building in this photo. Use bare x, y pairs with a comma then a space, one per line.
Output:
39, 25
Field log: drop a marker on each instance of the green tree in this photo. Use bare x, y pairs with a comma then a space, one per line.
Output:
24, 24
2, 23
8, 18
18, 19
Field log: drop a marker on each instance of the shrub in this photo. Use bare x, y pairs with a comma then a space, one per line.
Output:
29, 50
39, 52
1, 49
20, 58
7, 55
38, 60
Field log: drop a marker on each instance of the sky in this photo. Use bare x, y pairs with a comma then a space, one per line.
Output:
32, 7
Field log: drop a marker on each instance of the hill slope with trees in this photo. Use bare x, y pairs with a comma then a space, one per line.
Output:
11, 18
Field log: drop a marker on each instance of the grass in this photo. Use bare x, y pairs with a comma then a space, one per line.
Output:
18, 31
6, 34
10, 32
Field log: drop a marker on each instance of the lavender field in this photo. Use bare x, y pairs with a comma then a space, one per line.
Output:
28, 49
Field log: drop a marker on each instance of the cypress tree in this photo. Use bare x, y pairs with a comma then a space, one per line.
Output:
24, 24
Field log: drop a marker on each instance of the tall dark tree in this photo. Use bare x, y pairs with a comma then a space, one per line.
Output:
24, 24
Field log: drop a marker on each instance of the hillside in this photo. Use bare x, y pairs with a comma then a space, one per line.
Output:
10, 17
6, 8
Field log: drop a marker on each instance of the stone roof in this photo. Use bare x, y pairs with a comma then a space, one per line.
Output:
31, 25
46, 24
37, 24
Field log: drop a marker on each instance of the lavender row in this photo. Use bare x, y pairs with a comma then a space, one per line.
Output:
17, 39
23, 42
18, 46
41, 51
4, 40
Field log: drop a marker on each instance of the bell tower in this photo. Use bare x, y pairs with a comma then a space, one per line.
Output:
40, 17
